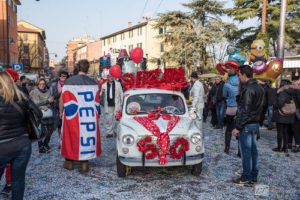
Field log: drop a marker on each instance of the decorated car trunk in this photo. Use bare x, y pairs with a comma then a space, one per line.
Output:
156, 129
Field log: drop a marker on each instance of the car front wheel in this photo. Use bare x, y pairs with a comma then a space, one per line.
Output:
197, 169
121, 168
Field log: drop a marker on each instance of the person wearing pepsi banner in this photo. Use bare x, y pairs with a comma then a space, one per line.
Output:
250, 106
113, 99
79, 109
197, 94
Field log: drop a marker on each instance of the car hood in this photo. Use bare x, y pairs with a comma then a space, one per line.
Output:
181, 128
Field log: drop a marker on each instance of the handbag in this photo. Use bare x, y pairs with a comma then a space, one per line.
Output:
33, 127
288, 108
47, 113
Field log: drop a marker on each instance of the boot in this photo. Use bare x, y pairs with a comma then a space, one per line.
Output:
227, 141
42, 148
68, 164
239, 153
84, 166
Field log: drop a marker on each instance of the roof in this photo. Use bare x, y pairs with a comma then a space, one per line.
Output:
42, 31
17, 2
125, 30
23, 29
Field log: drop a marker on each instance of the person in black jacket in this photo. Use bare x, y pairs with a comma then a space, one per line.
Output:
55, 90
271, 98
23, 86
249, 110
15, 145
219, 101
285, 123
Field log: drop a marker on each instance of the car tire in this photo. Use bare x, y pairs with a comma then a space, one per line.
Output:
197, 169
121, 168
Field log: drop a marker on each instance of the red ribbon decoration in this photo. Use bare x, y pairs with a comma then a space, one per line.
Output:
163, 139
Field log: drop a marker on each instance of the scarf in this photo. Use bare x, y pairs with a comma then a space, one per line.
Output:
60, 84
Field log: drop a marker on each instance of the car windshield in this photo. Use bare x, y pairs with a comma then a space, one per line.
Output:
145, 103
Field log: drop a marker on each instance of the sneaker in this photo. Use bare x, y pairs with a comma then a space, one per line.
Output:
296, 150
277, 149
242, 182
254, 180
7, 189
239, 172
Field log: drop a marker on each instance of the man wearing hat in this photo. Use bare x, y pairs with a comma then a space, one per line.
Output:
197, 94
113, 98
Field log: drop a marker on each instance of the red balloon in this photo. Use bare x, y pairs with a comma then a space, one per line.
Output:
115, 71
136, 55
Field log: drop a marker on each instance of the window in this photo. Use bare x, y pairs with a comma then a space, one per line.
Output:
104, 42
15, 8
26, 62
114, 39
130, 47
130, 34
10, 3
139, 31
298, 53
123, 36
160, 31
139, 45
25, 36
103, 53
108, 41
161, 47
26, 49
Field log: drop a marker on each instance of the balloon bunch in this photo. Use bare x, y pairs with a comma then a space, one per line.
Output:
257, 59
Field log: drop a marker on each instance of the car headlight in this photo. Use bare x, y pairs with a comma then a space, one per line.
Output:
128, 140
196, 138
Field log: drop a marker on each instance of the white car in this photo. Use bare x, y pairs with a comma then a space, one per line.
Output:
137, 104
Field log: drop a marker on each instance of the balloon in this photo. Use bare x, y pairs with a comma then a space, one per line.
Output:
136, 55
115, 71
259, 67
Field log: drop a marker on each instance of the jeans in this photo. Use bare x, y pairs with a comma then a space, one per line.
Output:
270, 114
247, 143
18, 161
220, 107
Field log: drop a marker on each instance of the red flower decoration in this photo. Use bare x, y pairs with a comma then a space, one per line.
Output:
153, 116
166, 116
149, 147
184, 147
119, 115
14, 75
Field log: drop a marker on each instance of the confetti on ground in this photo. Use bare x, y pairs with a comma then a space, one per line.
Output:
46, 179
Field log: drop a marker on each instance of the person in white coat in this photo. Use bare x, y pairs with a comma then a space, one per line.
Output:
197, 94
113, 99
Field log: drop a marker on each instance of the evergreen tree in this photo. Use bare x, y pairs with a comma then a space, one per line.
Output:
252, 9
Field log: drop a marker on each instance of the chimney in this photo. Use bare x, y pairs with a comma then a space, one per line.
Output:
143, 19
129, 24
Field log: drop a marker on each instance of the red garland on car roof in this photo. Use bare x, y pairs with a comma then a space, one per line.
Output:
171, 79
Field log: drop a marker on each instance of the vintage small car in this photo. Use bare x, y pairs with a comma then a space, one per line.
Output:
158, 118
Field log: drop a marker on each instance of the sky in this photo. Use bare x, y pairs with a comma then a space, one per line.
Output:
64, 19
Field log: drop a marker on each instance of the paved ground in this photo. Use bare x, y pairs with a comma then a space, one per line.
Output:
46, 179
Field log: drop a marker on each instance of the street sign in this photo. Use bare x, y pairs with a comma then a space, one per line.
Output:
18, 68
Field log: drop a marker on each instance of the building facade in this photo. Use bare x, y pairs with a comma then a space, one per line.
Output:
8, 33
31, 45
77, 50
142, 35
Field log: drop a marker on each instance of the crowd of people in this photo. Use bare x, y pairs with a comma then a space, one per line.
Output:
239, 103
